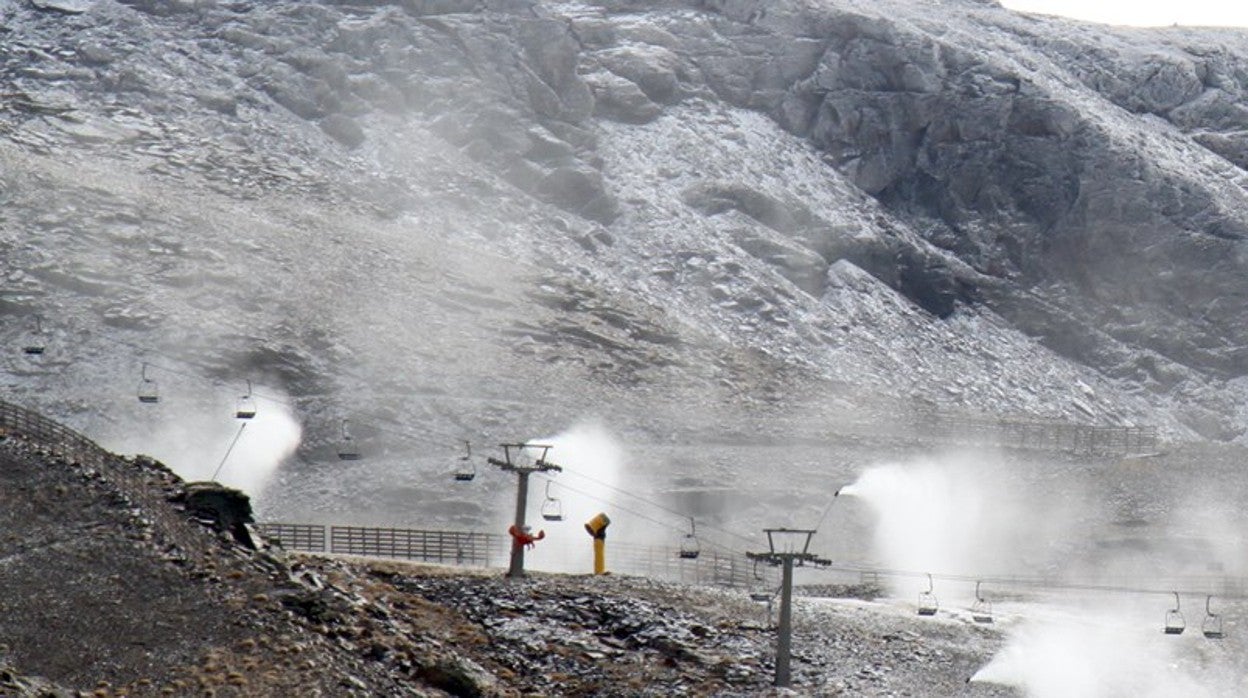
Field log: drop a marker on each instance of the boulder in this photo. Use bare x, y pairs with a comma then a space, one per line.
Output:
653, 69
227, 509
579, 190
552, 54
343, 129
458, 676
618, 99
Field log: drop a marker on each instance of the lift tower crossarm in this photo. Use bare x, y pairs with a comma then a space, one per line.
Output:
539, 465
798, 559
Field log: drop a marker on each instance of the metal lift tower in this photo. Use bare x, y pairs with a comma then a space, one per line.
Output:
516, 569
787, 547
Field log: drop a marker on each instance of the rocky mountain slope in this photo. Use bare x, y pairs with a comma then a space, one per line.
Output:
489, 219
110, 588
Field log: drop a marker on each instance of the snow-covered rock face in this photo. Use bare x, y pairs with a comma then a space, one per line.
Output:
475, 220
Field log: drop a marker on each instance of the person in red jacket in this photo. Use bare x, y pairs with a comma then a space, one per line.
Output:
522, 536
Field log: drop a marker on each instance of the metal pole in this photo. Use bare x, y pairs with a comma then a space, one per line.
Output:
516, 570
600, 556
784, 639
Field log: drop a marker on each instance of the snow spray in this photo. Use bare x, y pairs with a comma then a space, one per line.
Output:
965, 515
593, 463
958, 514
194, 437
1117, 651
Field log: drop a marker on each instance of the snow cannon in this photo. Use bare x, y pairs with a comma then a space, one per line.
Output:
522, 536
597, 528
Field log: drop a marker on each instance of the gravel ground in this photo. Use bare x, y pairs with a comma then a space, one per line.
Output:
619, 635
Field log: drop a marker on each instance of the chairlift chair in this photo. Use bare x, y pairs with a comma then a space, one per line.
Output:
245, 408
347, 450
552, 508
466, 471
149, 392
1175, 624
1212, 625
33, 343
689, 547
759, 592
981, 610
927, 600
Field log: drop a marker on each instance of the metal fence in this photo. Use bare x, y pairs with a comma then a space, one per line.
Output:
447, 547
1079, 439
306, 537
410, 544
489, 550
712, 567
59, 439
484, 549
1220, 586
127, 477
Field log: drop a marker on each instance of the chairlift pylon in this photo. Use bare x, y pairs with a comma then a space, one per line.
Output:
981, 610
689, 547
34, 344
149, 391
927, 600
246, 406
1175, 624
552, 508
347, 450
465, 471
1212, 625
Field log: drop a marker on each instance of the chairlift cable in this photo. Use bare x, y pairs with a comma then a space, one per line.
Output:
658, 506
229, 450
255, 393
652, 503
1000, 581
441, 440
1016, 581
638, 514
604, 500
205, 367
661, 507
